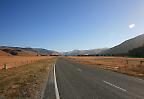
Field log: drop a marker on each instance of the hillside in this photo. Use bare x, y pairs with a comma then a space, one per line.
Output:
126, 46
2, 53
18, 51
41, 51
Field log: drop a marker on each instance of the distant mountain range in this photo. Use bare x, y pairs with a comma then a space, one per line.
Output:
85, 52
121, 49
19, 51
41, 51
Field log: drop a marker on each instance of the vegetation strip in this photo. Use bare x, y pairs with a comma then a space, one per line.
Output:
24, 81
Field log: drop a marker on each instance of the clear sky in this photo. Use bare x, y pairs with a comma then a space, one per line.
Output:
64, 25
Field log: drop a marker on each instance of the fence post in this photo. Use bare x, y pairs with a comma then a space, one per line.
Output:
141, 62
4, 66
126, 63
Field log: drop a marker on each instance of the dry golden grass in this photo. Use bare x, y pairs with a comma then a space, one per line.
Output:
132, 66
14, 61
24, 82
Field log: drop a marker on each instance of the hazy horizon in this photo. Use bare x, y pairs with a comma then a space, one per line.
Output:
70, 24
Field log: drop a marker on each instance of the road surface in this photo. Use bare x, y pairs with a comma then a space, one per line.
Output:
70, 80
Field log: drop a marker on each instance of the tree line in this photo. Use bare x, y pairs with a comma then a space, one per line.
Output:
137, 52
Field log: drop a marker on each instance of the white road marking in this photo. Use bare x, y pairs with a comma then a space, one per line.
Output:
79, 69
56, 87
114, 86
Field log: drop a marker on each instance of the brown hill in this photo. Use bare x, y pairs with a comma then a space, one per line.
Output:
17, 52
2, 53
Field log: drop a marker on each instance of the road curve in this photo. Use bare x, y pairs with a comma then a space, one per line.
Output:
77, 81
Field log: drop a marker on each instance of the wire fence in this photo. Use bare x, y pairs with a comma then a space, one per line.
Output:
21, 62
112, 61
15, 64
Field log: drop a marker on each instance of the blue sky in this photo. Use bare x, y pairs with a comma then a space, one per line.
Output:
64, 25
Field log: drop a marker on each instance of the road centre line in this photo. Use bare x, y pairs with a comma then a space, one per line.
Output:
114, 85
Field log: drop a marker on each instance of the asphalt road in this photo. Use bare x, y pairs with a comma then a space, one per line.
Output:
77, 81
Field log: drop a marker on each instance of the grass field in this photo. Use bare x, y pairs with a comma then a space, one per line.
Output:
131, 66
25, 82
14, 61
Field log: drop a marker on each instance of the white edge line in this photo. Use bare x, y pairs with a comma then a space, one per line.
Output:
114, 86
56, 87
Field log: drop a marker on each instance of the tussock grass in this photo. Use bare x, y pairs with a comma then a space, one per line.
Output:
24, 82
